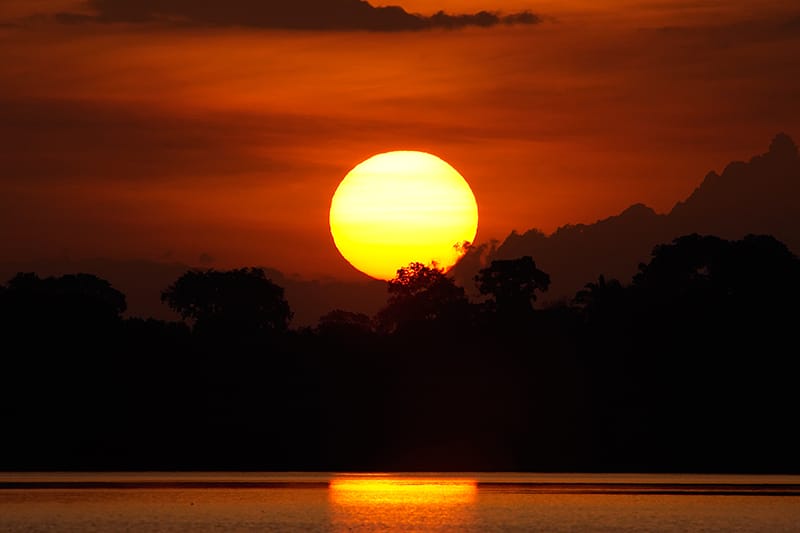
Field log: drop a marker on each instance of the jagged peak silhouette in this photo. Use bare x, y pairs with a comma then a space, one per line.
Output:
770, 177
760, 195
638, 209
783, 146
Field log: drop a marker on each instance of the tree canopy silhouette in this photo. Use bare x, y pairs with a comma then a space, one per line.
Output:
756, 268
512, 284
75, 301
596, 294
339, 321
239, 302
420, 293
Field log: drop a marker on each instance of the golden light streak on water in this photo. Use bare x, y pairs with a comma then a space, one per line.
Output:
402, 491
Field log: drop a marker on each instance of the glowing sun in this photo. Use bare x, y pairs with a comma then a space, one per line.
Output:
398, 208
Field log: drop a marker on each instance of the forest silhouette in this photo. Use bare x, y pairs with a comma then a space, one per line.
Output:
690, 366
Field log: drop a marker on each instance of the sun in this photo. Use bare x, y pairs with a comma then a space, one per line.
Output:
402, 207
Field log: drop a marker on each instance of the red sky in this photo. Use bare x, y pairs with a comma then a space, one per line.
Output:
167, 142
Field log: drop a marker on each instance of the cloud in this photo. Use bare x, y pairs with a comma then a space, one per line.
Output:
288, 14
52, 140
58, 139
735, 33
73, 18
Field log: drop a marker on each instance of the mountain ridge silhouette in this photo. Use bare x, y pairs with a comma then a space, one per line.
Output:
759, 196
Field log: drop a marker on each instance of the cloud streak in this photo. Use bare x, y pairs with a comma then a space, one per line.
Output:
288, 15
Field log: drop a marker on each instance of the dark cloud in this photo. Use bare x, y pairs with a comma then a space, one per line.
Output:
736, 33
793, 25
53, 139
73, 18
288, 14
47, 140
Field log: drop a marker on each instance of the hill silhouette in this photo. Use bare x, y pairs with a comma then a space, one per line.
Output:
760, 196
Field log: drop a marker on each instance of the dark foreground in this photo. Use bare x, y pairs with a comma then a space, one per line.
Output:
690, 367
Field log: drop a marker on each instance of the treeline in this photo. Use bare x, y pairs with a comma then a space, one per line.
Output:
690, 366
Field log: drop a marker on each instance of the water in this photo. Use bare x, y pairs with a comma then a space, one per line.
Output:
400, 502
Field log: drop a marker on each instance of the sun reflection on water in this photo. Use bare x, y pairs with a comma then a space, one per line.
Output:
401, 503
402, 491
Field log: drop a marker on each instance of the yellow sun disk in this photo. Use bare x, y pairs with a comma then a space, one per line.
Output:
401, 207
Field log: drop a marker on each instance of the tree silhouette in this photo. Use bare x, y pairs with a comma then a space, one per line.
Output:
688, 263
756, 268
420, 293
710, 318
512, 284
597, 295
762, 271
73, 301
344, 322
604, 304
234, 302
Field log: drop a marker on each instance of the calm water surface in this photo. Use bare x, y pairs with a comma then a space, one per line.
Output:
400, 502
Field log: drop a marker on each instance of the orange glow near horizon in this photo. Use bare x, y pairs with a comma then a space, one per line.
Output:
401, 207
172, 143
403, 491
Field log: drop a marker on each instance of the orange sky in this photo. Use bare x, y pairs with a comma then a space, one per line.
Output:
165, 143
